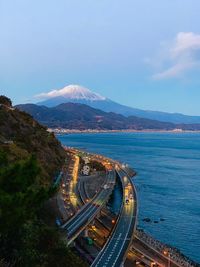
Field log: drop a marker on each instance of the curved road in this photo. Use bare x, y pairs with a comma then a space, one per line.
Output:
114, 252
89, 211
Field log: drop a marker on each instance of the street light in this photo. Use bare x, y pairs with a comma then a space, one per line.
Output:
93, 227
166, 253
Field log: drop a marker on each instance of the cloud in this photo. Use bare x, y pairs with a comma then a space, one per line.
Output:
50, 94
175, 71
186, 42
177, 57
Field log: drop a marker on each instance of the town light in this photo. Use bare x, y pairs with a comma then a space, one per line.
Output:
165, 252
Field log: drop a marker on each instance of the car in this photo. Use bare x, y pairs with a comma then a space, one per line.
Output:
127, 201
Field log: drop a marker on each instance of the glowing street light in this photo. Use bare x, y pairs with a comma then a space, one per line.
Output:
166, 253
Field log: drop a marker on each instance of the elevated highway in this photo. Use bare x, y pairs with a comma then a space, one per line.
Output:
89, 211
120, 241
114, 252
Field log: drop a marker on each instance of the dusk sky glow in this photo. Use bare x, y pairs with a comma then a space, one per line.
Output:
143, 54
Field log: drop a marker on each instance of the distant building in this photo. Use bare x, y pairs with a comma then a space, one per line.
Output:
8, 142
86, 170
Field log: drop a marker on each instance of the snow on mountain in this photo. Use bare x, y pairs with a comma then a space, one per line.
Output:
82, 95
73, 92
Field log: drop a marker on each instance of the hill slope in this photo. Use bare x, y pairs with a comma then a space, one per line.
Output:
21, 136
79, 94
29, 159
81, 117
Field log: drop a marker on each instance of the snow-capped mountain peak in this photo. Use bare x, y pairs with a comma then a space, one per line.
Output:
73, 92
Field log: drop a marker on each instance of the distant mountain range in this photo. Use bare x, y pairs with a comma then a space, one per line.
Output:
78, 94
83, 117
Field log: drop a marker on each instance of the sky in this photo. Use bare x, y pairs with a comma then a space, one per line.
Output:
141, 53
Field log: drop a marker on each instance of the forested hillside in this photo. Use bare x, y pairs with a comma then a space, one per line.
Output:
29, 159
83, 117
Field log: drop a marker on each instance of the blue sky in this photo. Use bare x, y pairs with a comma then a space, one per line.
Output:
143, 53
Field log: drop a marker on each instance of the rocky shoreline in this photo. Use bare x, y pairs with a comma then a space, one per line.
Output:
175, 254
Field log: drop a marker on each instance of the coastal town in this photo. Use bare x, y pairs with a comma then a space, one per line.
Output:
69, 131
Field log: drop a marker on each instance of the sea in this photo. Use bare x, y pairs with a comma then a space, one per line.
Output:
167, 181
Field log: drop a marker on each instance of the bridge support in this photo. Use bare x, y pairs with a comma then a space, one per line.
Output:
98, 215
86, 232
72, 244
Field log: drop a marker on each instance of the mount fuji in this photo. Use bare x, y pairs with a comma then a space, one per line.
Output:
82, 95
70, 93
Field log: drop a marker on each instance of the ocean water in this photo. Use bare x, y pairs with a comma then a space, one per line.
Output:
167, 181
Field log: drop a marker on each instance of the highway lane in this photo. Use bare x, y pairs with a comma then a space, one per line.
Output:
81, 192
153, 254
114, 251
90, 212
88, 206
96, 202
87, 213
79, 213
147, 252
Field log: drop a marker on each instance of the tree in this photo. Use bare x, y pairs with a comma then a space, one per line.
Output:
5, 101
21, 196
25, 239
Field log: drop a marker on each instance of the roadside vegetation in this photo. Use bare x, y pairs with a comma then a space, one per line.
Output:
29, 159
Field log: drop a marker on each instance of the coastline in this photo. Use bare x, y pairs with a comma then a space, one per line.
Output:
103, 151
91, 131
155, 245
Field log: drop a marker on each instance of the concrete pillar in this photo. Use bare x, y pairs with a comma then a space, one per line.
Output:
86, 232
72, 244
98, 215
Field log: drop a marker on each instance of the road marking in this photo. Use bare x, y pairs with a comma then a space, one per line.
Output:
128, 219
